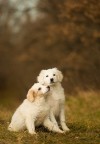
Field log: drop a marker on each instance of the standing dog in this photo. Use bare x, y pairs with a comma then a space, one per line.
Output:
33, 111
53, 77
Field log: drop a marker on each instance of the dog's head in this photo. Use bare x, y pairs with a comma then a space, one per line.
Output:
37, 91
50, 76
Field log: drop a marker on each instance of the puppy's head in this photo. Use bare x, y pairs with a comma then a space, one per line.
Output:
50, 76
37, 91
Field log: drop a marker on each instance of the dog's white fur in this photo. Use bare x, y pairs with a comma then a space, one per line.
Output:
53, 77
33, 111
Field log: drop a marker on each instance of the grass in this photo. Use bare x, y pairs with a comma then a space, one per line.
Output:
83, 119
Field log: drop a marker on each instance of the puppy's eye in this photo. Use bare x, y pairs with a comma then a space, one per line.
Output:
46, 75
39, 88
53, 74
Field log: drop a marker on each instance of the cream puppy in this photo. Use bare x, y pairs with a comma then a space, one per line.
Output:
53, 77
33, 111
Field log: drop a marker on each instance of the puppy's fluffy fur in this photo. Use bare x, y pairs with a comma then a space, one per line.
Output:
33, 111
53, 77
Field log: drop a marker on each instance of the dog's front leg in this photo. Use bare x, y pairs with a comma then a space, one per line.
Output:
51, 126
52, 117
62, 118
30, 125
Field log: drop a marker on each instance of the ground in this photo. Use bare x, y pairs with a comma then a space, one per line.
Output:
83, 119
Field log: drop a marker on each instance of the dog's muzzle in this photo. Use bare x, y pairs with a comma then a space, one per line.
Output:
48, 87
52, 80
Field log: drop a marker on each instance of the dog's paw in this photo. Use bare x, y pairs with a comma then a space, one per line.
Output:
61, 131
66, 129
12, 129
32, 132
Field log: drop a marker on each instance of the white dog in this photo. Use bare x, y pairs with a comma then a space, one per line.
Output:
56, 98
33, 111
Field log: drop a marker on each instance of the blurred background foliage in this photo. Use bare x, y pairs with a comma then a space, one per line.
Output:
37, 35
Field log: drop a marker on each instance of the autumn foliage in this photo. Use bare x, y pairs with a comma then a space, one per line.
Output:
66, 35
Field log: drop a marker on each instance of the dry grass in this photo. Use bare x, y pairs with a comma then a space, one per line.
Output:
83, 116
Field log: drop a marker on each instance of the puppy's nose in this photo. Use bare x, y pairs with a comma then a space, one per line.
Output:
48, 87
51, 79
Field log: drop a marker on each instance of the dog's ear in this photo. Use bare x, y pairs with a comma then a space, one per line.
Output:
59, 74
40, 78
31, 95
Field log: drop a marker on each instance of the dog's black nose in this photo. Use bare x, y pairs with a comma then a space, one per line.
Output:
48, 87
51, 79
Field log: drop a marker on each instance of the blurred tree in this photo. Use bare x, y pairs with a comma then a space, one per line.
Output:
15, 13
35, 35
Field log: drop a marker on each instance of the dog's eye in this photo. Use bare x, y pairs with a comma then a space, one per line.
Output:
53, 74
39, 88
46, 75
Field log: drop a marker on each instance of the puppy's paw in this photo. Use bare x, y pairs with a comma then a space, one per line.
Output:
32, 132
60, 131
12, 129
66, 129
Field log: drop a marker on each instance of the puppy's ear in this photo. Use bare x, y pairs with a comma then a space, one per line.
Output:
31, 95
40, 78
59, 74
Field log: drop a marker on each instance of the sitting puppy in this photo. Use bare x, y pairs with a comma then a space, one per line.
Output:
56, 98
33, 111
